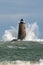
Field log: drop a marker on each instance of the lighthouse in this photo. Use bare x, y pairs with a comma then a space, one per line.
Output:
22, 30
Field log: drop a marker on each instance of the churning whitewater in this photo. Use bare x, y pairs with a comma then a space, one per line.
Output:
32, 32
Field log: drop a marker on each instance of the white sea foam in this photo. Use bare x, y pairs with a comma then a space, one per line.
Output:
10, 46
18, 62
22, 47
32, 33
16, 47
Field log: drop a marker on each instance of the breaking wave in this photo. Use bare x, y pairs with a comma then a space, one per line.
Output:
10, 34
18, 62
32, 33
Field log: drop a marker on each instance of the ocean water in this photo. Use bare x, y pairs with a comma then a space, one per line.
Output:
21, 53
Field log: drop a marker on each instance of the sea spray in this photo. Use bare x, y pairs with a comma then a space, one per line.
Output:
10, 34
32, 31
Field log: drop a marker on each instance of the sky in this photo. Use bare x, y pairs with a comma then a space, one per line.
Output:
11, 11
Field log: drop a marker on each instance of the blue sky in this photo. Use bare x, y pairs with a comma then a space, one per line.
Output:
11, 11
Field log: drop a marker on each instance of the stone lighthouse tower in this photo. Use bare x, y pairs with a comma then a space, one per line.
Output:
21, 30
